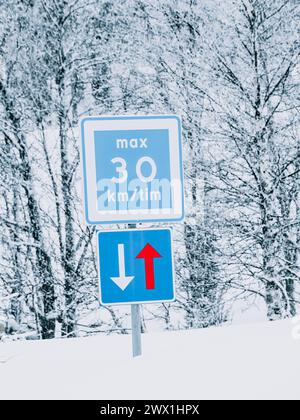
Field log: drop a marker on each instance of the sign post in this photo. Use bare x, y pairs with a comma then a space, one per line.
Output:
136, 330
135, 266
133, 173
136, 324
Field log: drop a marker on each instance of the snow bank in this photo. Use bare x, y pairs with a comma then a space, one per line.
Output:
249, 362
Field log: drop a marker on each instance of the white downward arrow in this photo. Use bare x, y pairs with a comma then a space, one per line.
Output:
122, 281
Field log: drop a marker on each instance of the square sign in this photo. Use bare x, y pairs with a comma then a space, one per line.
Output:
136, 266
132, 169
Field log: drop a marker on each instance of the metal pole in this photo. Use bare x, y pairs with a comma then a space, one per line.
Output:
136, 323
136, 330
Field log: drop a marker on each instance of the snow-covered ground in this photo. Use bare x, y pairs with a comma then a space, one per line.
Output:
259, 361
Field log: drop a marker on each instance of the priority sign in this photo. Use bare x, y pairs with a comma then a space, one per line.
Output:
132, 169
136, 266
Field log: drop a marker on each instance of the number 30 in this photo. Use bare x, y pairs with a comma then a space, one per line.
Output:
122, 169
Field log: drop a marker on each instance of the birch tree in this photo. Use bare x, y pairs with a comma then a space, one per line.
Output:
255, 66
13, 129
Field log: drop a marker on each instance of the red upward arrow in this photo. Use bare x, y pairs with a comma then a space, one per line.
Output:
148, 254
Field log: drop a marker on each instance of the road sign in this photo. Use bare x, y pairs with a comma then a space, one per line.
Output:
132, 169
135, 266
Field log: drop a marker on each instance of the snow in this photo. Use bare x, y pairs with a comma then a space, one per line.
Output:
258, 361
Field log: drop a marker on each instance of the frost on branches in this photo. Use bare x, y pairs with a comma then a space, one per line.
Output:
230, 68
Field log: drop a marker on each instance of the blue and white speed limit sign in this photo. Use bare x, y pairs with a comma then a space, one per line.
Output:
132, 169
